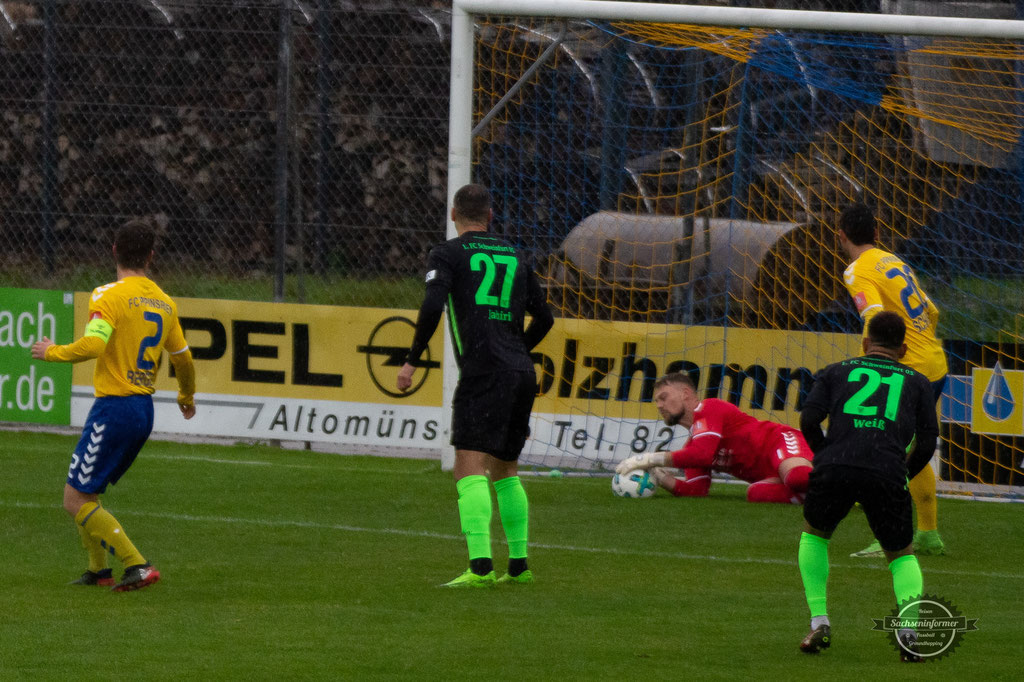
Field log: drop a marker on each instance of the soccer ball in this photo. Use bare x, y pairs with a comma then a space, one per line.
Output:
635, 483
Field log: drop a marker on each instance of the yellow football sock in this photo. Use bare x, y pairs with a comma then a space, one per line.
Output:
97, 555
922, 490
108, 533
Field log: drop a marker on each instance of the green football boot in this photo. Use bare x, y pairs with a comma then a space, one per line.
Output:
471, 579
928, 543
524, 578
872, 551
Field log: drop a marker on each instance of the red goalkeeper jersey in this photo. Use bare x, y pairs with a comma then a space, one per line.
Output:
723, 438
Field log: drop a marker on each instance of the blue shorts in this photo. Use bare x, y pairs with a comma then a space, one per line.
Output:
115, 430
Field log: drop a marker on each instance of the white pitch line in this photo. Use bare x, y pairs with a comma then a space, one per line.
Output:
287, 465
347, 469
285, 523
214, 460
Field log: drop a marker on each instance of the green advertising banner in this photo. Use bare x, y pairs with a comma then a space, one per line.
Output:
32, 390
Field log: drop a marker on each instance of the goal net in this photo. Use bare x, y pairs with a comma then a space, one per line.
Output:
679, 184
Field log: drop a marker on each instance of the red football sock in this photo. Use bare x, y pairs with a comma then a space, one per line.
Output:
692, 486
796, 479
764, 491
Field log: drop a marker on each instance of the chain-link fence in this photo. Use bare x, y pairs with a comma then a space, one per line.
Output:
288, 149
291, 150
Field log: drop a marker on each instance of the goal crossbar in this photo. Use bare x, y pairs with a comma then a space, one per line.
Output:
808, 20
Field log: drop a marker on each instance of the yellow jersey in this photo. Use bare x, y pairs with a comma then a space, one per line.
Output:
877, 280
135, 321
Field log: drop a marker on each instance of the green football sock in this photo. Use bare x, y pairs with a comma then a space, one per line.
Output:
907, 582
513, 507
813, 560
475, 514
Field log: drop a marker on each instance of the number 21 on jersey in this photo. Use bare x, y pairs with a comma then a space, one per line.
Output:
873, 382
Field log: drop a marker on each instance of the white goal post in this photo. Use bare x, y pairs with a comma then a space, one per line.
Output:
464, 12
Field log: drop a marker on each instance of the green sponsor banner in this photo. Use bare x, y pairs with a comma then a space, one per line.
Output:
34, 391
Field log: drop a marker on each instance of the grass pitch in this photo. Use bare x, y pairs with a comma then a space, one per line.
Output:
300, 565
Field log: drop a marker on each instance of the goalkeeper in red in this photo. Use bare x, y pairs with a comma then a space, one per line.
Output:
131, 322
772, 457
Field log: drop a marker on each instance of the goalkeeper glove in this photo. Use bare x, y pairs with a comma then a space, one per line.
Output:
643, 461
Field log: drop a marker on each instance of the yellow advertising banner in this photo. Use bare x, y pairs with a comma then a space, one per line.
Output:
285, 350
328, 373
609, 368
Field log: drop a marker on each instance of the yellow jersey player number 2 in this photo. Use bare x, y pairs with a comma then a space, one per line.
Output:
878, 280
131, 322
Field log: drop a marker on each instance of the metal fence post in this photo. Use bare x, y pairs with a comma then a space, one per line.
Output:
49, 135
323, 163
284, 74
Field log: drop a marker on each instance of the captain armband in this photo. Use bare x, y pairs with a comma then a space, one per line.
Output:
100, 329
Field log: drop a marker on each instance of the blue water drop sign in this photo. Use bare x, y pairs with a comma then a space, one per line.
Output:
998, 399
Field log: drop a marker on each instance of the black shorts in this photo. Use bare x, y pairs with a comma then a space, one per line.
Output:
491, 413
833, 490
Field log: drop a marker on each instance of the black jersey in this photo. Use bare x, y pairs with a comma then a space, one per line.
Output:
877, 409
488, 286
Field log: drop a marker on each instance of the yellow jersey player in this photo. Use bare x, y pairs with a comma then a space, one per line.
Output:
878, 280
131, 322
